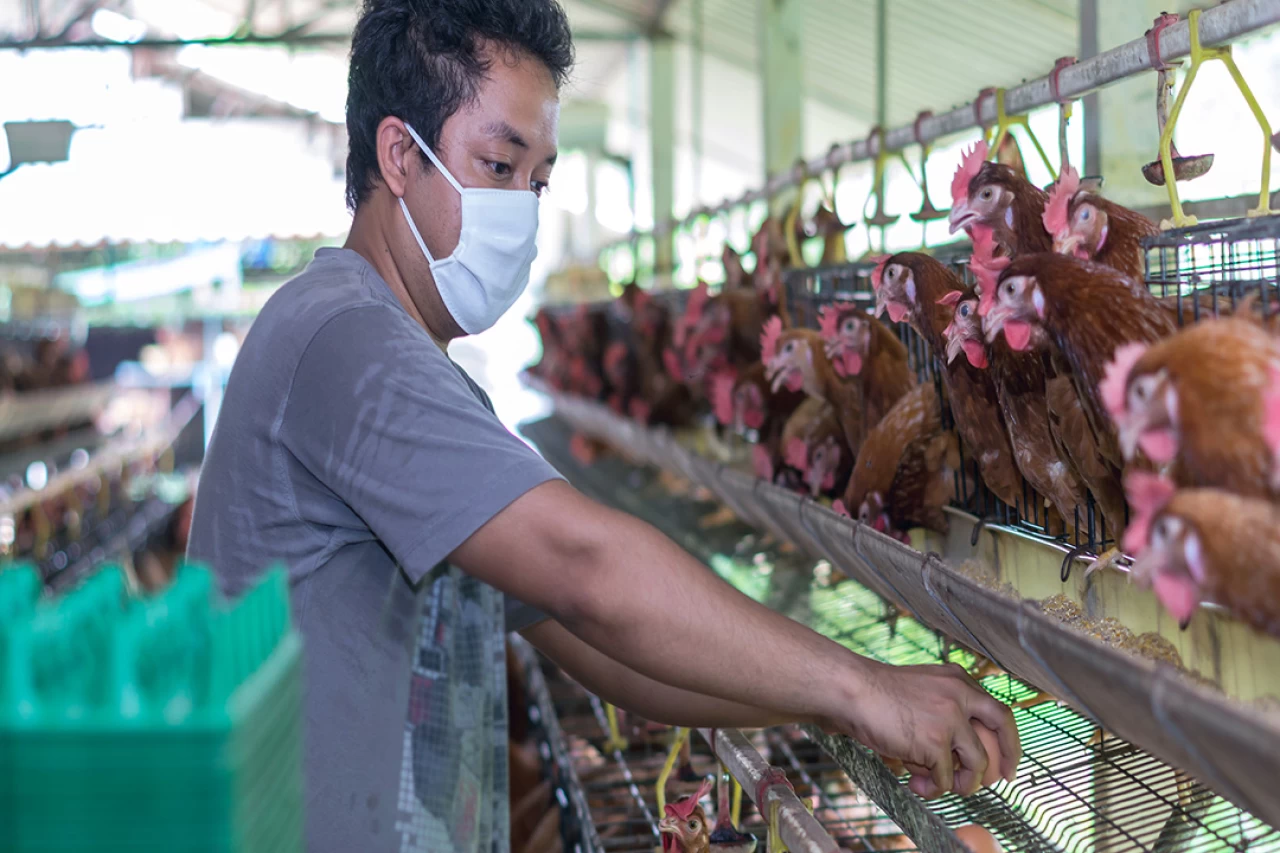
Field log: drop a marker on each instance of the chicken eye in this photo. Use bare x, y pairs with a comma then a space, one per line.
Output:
1010, 289
848, 326
986, 194
693, 826
964, 310
1086, 213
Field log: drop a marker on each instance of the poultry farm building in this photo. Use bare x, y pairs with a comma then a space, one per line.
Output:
950, 331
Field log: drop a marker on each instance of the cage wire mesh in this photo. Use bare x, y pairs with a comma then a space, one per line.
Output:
1207, 271
1078, 789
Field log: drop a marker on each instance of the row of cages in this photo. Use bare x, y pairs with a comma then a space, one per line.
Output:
1229, 261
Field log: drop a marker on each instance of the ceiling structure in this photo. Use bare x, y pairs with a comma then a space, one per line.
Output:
978, 42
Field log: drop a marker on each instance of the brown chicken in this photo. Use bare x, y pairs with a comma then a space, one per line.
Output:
1086, 225
684, 826
1079, 312
1198, 544
994, 196
748, 405
1020, 388
903, 475
796, 359
817, 460
920, 289
859, 345
1202, 402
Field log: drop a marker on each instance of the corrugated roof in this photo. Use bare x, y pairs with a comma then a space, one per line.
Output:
939, 54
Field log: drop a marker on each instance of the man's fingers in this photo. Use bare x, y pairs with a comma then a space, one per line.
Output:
972, 757
941, 768
999, 718
924, 787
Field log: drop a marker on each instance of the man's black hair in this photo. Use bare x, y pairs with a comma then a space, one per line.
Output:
420, 60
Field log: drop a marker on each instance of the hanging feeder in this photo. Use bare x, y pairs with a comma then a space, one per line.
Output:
1184, 168
1200, 55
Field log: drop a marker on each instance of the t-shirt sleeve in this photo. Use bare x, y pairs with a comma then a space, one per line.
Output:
381, 417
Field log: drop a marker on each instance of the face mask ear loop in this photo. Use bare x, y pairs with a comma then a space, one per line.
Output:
433, 158
422, 244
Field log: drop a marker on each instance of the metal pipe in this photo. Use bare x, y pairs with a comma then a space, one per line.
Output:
1218, 25
53, 43
882, 63
799, 830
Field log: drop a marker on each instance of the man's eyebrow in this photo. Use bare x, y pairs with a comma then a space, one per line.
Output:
504, 131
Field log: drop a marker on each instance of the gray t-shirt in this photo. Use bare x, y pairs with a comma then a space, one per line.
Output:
350, 449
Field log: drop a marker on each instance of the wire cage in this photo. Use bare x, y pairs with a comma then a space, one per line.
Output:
1230, 261
1208, 270
809, 290
1078, 789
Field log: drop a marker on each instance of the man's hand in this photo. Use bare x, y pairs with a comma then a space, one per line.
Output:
925, 717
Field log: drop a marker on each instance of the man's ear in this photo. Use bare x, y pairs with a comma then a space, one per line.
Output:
395, 149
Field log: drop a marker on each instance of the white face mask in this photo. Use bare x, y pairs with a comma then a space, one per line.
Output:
489, 269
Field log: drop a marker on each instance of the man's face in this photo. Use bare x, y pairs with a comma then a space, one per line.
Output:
506, 140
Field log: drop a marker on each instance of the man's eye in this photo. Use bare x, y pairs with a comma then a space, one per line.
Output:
539, 187
502, 170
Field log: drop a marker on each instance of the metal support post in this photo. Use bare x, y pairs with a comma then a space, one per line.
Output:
782, 81
662, 139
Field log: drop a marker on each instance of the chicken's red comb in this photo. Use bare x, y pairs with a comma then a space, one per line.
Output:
683, 808
697, 302
722, 398
1271, 421
951, 298
877, 274
769, 338
829, 322
1148, 494
970, 165
614, 354
1114, 384
762, 463
797, 455
1055, 211
671, 362
640, 410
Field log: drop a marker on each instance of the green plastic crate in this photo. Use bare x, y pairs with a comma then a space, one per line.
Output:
168, 724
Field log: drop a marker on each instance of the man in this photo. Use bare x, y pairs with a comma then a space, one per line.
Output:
351, 449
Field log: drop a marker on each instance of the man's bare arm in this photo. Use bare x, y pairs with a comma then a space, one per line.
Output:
626, 590
653, 700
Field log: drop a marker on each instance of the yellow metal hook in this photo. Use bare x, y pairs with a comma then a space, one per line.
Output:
677, 743
1199, 56
616, 742
1005, 122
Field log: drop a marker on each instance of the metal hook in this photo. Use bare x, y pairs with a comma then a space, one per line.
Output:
1060, 686
1064, 574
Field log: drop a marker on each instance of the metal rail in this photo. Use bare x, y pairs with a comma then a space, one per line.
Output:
797, 827
1218, 25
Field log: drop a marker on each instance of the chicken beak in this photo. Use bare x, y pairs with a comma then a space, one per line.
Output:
961, 216
1067, 245
993, 323
955, 345
1129, 431
813, 477
667, 826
